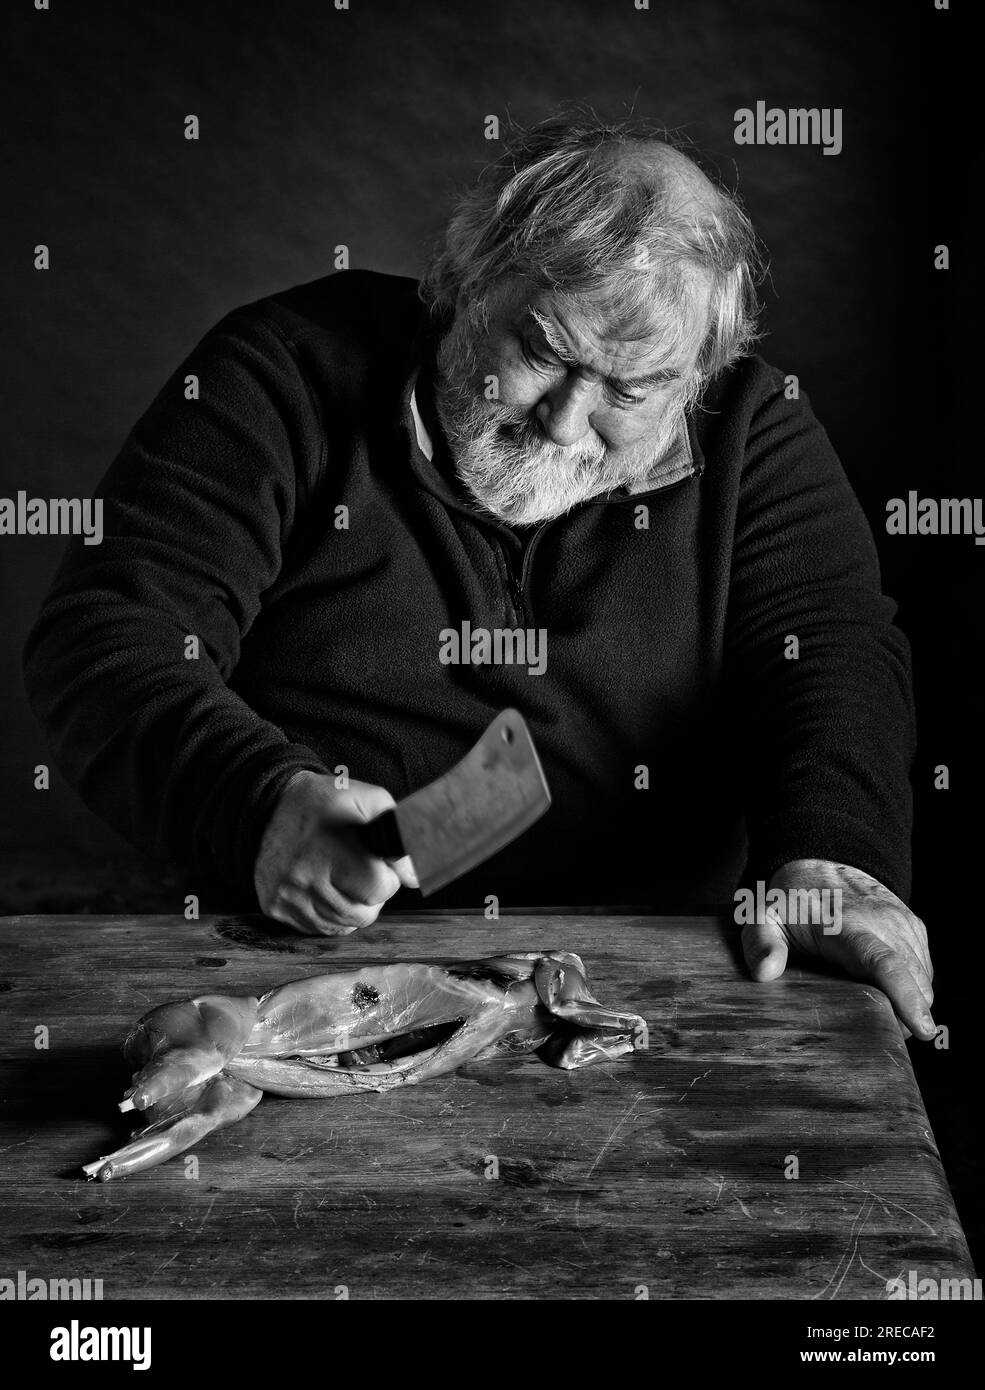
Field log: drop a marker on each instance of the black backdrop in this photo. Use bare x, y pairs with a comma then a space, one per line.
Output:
322, 126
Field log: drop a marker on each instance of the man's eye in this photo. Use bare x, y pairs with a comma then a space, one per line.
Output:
623, 398
534, 359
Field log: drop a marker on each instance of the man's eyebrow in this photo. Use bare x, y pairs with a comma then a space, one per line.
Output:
657, 378
547, 329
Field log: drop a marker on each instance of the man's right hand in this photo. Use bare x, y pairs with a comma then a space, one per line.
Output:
312, 871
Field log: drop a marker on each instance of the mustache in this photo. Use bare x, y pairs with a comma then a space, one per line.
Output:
513, 471
525, 432
470, 417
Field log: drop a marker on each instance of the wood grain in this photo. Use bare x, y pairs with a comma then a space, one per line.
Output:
666, 1170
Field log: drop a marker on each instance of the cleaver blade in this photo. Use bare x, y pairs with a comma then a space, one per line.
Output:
481, 804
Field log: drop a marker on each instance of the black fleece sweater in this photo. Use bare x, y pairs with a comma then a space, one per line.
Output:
667, 645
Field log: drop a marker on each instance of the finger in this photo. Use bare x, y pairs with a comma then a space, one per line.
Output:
314, 913
278, 909
922, 946
891, 972
335, 912
895, 979
405, 871
364, 879
764, 945
367, 801
305, 922
923, 984
913, 961
918, 969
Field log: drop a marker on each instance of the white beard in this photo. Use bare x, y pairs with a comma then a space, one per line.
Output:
511, 469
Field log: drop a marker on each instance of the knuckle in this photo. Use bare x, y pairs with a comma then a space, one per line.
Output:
379, 882
369, 801
361, 915
332, 926
390, 882
878, 956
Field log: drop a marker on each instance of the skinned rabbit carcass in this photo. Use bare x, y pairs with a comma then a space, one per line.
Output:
204, 1063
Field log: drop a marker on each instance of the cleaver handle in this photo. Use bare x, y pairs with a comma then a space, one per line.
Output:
381, 836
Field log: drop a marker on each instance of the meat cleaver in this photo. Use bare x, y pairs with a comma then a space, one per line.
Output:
478, 806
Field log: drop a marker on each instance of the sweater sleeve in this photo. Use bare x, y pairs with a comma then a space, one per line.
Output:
826, 721
197, 510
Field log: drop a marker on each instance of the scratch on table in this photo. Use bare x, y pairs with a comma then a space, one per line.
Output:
249, 1211
850, 1250
693, 1083
721, 1183
612, 1134
892, 1059
161, 1266
598, 1157
885, 1281
674, 1148
885, 1201
206, 1216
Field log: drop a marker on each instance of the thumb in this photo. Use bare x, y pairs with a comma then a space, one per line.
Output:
764, 945
366, 801
404, 869
370, 801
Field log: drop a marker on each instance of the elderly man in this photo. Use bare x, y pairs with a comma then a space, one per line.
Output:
561, 432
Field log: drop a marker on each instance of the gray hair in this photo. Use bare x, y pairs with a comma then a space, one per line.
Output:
553, 212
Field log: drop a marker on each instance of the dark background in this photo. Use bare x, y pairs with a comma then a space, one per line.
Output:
320, 127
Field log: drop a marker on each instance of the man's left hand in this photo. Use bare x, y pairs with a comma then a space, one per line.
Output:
875, 937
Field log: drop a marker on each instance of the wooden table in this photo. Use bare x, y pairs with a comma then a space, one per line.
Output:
662, 1175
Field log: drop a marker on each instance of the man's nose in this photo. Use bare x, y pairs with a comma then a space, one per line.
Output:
565, 411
